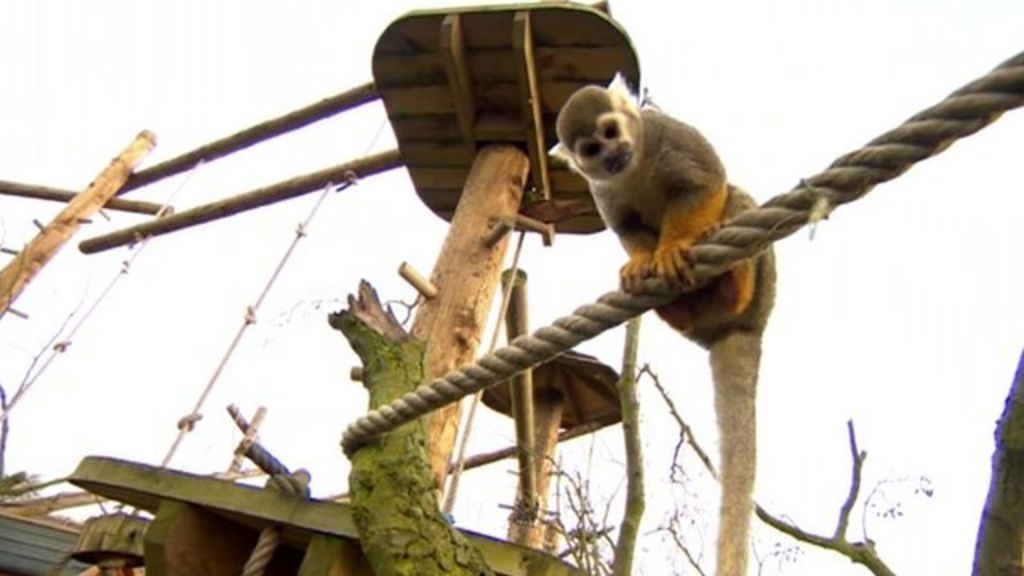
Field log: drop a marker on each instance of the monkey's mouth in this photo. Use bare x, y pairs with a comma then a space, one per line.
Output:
618, 161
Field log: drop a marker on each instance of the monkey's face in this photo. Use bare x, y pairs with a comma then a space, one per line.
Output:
598, 132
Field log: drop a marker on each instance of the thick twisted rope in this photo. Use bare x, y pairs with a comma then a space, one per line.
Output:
850, 177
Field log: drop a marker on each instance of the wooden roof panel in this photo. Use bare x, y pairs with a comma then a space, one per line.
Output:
455, 80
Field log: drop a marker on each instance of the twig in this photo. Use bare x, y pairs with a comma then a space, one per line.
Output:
861, 552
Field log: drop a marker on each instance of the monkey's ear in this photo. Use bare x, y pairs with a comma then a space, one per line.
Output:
562, 152
559, 151
619, 86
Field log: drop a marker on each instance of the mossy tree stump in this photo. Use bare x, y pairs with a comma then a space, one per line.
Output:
394, 504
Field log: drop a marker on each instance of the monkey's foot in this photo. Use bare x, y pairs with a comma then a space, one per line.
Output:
673, 264
633, 273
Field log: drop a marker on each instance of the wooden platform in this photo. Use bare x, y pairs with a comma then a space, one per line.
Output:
454, 80
207, 526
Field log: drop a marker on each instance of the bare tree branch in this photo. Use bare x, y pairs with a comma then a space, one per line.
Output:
860, 552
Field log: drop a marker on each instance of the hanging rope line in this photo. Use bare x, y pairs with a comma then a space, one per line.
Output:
188, 422
61, 346
850, 177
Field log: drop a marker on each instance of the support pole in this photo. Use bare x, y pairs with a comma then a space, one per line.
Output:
466, 274
65, 196
20, 271
251, 200
522, 524
254, 134
548, 406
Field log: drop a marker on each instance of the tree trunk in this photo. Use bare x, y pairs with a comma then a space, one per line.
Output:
1000, 547
394, 504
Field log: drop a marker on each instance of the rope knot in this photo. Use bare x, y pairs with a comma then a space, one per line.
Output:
188, 423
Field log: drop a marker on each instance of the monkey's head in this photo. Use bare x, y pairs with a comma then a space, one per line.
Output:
599, 130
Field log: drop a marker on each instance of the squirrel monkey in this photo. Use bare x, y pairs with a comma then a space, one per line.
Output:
659, 185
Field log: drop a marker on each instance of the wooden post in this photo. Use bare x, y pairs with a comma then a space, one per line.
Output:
20, 271
547, 416
524, 516
466, 275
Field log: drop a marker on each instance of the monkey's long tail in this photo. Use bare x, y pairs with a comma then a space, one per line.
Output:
734, 367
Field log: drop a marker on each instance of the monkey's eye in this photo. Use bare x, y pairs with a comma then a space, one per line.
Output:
591, 149
611, 131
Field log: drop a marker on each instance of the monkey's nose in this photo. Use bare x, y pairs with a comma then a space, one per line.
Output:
618, 161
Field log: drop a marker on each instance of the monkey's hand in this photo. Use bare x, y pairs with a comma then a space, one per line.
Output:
673, 264
633, 272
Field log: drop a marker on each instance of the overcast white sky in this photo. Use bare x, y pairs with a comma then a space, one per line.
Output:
904, 313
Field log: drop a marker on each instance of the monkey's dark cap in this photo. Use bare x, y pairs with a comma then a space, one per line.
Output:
587, 386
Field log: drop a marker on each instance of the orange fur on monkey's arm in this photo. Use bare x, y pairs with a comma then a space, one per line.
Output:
681, 226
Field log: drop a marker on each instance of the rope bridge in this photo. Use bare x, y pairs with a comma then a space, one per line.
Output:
850, 177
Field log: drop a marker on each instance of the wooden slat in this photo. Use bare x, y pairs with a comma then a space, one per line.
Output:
596, 64
453, 177
420, 100
530, 103
437, 153
505, 96
574, 28
453, 56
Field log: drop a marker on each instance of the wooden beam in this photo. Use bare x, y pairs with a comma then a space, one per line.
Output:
174, 496
466, 274
267, 195
453, 55
49, 504
263, 131
47, 193
529, 95
20, 271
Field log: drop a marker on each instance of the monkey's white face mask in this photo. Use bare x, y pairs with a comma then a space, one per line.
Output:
600, 147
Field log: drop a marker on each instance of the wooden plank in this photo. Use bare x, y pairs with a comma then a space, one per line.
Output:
180, 541
397, 70
419, 100
490, 27
425, 129
530, 104
436, 153
504, 96
453, 177
250, 509
20, 271
488, 128
53, 194
579, 27
264, 130
592, 64
251, 200
453, 56
500, 127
